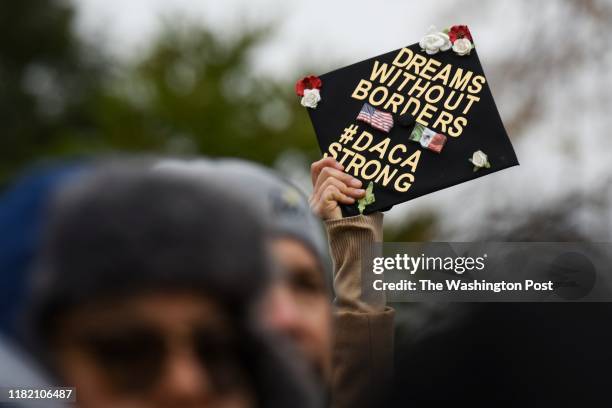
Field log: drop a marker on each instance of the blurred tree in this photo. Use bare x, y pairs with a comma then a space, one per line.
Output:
45, 79
192, 93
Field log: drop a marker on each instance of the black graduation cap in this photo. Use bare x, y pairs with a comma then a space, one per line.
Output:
411, 121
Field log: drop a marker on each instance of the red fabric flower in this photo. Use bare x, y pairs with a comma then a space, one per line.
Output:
309, 82
459, 31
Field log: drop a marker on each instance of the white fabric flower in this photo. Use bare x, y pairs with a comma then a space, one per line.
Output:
311, 98
462, 46
479, 159
435, 41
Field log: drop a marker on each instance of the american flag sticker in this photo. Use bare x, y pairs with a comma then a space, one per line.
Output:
380, 120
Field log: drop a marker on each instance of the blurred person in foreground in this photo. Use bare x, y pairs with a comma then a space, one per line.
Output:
349, 344
22, 214
143, 296
23, 206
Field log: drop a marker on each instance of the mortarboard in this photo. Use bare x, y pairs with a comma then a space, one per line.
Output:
411, 121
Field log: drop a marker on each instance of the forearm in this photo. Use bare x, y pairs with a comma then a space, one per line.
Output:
349, 238
363, 343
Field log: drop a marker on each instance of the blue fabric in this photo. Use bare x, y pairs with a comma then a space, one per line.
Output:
22, 215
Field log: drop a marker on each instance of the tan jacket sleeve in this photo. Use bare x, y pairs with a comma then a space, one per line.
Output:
363, 346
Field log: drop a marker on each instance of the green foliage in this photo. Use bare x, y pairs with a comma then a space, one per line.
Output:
45, 80
192, 93
195, 93
368, 199
420, 229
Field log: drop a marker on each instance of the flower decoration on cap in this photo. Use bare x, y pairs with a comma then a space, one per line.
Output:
309, 82
311, 98
461, 38
435, 41
479, 160
458, 38
457, 32
308, 88
368, 199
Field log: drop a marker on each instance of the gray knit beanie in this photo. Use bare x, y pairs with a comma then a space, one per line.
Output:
284, 208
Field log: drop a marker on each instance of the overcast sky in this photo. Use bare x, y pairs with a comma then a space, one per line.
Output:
316, 30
